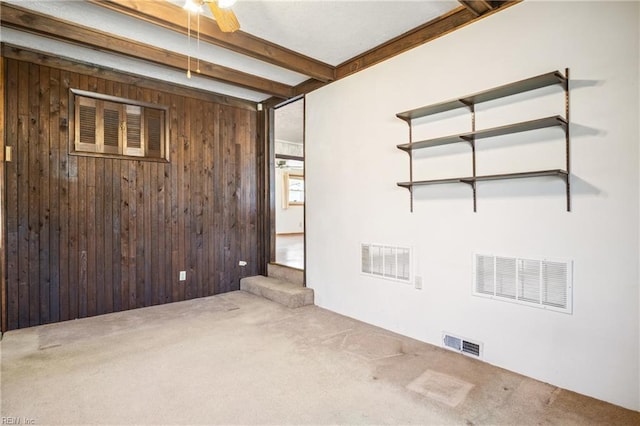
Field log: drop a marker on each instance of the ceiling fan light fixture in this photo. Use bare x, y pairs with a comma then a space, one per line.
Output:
226, 4
194, 6
225, 18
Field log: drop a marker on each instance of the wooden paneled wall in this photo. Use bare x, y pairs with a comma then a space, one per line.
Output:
88, 235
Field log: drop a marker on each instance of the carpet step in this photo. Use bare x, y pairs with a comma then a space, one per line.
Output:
286, 293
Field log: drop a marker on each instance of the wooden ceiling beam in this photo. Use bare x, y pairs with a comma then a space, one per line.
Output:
36, 23
172, 17
477, 7
307, 87
438, 27
73, 65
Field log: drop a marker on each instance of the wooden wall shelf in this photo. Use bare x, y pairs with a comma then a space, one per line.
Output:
502, 176
525, 126
543, 80
521, 86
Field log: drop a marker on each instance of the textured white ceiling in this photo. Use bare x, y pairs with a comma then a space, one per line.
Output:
331, 31
289, 122
334, 31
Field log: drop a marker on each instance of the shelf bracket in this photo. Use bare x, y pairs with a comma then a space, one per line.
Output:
472, 142
470, 139
410, 152
411, 199
468, 104
567, 182
472, 184
567, 137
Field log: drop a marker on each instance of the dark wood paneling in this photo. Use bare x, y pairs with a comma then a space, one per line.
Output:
11, 206
22, 163
44, 204
34, 200
3, 239
92, 235
54, 192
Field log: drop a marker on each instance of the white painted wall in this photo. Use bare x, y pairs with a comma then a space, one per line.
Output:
352, 197
291, 219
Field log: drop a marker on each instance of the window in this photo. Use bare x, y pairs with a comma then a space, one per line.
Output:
116, 126
294, 189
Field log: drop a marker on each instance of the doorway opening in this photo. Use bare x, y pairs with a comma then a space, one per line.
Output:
288, 178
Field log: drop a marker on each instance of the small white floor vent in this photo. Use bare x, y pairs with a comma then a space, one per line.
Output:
462, 345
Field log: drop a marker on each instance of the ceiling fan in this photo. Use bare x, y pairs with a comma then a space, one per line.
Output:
221, 10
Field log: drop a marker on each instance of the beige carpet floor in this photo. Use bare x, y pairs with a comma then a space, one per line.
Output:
239, 359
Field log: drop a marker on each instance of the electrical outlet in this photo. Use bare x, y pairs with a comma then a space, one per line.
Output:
183, 275
418, 282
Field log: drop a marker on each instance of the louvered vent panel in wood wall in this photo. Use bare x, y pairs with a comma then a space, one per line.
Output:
154, 129
87, 124
111, 127
134, 126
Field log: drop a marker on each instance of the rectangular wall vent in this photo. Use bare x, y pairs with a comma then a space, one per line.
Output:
540, 283
462, 345
386, 261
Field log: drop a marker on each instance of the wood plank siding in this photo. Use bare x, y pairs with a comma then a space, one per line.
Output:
91, 235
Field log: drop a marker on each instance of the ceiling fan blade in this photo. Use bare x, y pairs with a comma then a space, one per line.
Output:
226, 19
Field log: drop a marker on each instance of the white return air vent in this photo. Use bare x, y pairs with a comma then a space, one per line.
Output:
540, 283
462, 345
386, 261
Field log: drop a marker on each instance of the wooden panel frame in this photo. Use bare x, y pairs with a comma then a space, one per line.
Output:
82, 150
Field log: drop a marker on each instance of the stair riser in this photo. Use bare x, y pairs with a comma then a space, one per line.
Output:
284, 273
